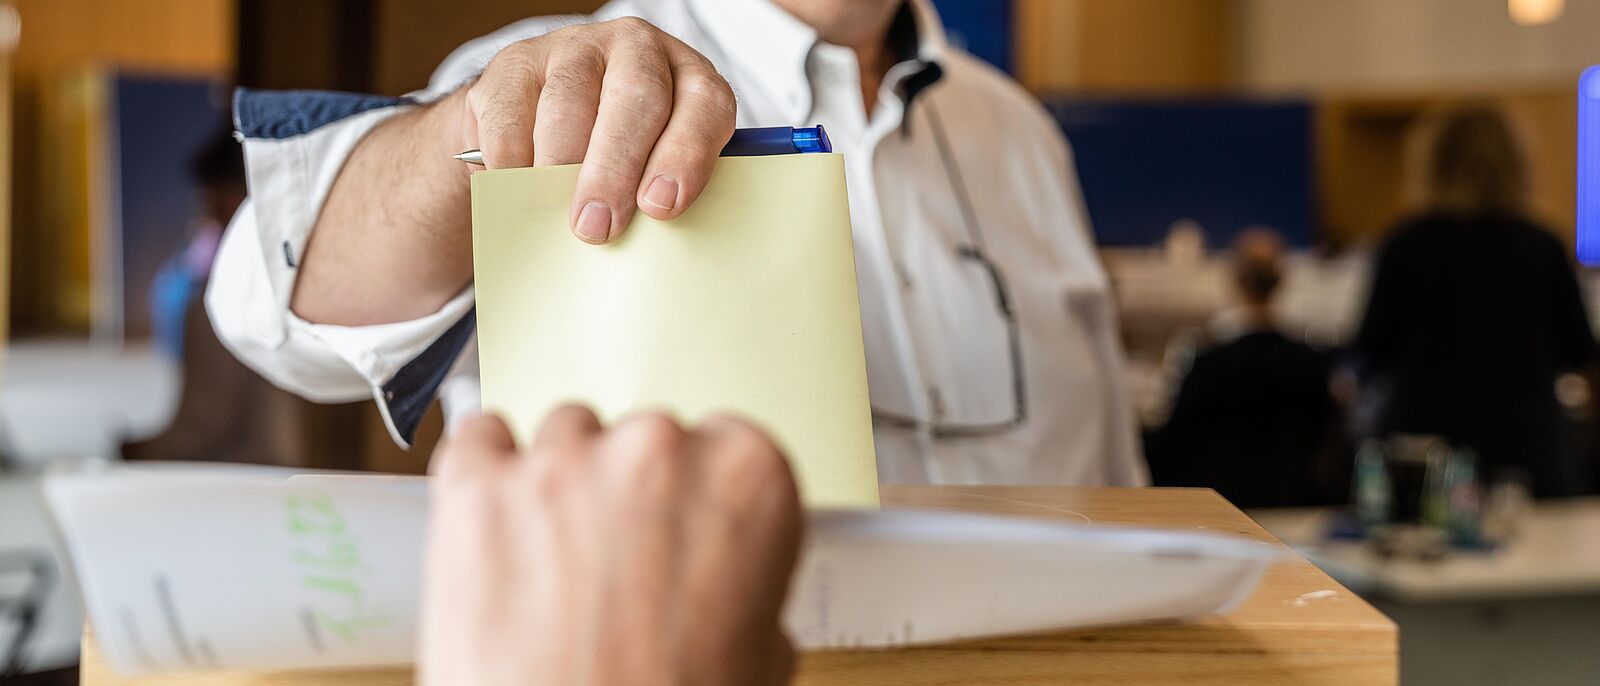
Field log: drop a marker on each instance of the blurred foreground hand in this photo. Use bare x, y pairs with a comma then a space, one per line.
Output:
639, 554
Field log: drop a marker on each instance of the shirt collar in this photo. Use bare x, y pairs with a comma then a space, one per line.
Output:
770, 46
931, 41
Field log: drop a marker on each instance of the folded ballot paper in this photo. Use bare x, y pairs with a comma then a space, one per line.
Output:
746, 303
232, 567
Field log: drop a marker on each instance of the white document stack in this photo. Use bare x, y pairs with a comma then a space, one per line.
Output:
233, 567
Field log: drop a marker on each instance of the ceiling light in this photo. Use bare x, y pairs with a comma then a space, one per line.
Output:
1535, 12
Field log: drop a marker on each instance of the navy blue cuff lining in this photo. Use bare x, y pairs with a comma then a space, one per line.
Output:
413, 388
285, 114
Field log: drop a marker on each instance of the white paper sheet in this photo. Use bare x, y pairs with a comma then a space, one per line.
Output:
240, 568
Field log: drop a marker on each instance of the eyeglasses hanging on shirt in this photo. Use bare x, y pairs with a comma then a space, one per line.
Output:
975, 258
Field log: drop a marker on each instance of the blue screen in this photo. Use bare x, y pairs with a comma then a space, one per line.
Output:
1225, 163
981, 27
161, 121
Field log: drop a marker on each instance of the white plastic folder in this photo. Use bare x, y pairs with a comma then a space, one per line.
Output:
199, 568
746, 303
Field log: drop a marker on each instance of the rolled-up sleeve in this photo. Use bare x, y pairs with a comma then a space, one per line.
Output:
295, 143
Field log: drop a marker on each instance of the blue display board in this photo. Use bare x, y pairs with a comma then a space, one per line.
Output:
160, 122
1225, 163
981, 27
1589, 167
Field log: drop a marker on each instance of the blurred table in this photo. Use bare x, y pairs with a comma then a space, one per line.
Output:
1556, 554
1526, 613
77, 398
1300, 627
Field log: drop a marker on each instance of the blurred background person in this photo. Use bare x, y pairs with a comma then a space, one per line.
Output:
218, 173
225, 411
1474, 312
1253, 417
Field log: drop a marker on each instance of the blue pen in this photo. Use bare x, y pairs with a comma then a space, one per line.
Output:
771, 140
777, 140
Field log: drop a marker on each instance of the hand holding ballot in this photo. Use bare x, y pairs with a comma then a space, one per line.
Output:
645, 113
640, 553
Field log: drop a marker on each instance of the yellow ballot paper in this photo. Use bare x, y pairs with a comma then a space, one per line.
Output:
745, 304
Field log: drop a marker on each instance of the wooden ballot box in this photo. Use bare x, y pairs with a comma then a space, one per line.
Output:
1300, 627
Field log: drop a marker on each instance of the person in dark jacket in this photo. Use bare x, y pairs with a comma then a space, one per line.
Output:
1253, 417
1475, 312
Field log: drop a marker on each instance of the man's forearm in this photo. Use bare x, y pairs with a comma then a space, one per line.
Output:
394, 239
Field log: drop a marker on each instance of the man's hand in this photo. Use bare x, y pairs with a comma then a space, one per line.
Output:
642, 554
646, 114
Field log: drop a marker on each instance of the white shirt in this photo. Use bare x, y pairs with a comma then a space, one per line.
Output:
937, 341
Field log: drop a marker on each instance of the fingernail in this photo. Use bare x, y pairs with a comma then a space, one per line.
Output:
662, 193
594, 223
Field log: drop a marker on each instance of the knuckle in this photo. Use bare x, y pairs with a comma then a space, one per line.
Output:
708, 90
652, 432
477, 97
477, 425
450, 463
569, 414
644, 455
648, 434
510, 69
642, 85
574, 74
749, 465
652, 110
613, 175
525, 46
547, 477
761, 468
568, 37
614, 167
633, 27
511, 54
643, 97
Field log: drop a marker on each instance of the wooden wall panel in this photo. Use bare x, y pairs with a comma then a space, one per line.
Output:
60, 39
414, 36
1153, 45
1363, 143
194, 36
8, 27
1137, 46
304, 44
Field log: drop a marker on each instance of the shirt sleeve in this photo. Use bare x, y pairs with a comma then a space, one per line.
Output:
295, 143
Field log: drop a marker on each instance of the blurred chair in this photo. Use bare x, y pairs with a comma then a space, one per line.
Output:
1254, 418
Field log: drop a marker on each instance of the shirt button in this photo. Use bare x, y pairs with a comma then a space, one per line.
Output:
904, 276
